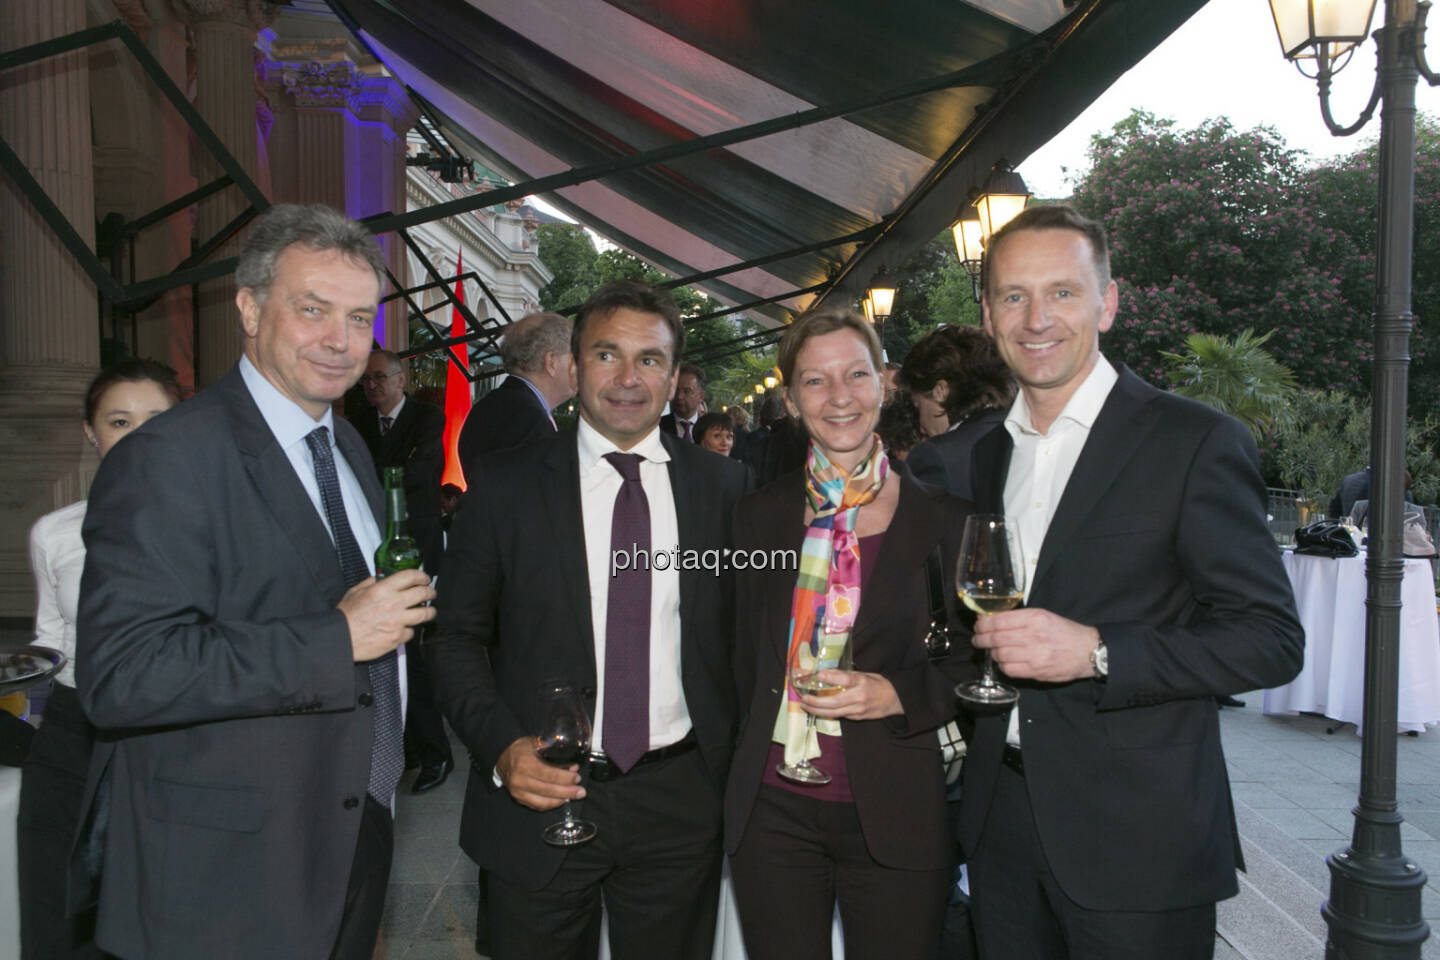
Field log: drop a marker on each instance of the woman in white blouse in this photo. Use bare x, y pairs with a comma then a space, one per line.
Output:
120, 399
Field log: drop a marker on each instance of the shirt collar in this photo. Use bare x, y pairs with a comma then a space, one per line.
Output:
593, 446
286, 420
539, 395
399, 405
1082, 408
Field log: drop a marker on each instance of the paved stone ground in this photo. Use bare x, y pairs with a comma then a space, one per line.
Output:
1294, 787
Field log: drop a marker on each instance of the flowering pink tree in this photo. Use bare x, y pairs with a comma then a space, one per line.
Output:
1215, 231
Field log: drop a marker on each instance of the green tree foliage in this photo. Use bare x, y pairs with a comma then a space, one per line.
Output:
578, 268
1345, 192
1235, 376
1213, 230
1327, 435
952, 298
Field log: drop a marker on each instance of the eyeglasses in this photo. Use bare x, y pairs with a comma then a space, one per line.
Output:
376, 378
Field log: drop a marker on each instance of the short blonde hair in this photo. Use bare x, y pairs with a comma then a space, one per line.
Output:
817, 323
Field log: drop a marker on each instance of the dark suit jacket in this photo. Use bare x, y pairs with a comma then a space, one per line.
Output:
894, 764
945, 460
415, 441
1160, 541
508, 416
514, 610
234, 722
669, 425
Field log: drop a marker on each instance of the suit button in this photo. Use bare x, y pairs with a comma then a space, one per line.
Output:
366, 699
351, 803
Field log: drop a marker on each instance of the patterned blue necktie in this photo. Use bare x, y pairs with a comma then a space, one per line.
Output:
387, 750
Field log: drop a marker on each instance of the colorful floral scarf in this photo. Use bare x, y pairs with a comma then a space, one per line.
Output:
827, 590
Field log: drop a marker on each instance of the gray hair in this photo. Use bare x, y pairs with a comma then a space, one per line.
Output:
395, 359
528, 339
317, 227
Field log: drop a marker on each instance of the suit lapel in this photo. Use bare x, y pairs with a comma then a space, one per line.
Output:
274, 479
683, 479
1124, 422
990, 469
560, 492
902, 554
353, 449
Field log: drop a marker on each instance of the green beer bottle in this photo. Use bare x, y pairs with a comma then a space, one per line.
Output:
398, 550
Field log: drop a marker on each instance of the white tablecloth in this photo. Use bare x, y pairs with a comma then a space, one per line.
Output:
9, 875
1330, 596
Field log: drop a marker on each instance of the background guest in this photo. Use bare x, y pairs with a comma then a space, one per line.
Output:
52, 787
961, 388
716, 433
540, 376
876, 839
687, 404
899, 426
402, 431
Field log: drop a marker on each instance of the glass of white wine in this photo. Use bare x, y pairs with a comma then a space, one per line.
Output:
989, 578
823, 652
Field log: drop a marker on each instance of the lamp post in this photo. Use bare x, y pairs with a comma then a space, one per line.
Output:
970, 245
1000, 200
881, 294
1374, 909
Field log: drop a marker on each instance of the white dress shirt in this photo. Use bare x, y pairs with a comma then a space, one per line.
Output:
1040, 467
599, 485
290, 426
57, 557
393, 414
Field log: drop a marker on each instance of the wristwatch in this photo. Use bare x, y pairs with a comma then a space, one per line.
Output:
1100, 660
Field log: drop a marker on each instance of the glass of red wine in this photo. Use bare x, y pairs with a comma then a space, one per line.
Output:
564, 739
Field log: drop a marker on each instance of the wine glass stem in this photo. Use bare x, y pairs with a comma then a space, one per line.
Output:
809, 728
987, 679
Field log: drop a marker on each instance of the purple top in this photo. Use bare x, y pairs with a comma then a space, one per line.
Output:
832, 751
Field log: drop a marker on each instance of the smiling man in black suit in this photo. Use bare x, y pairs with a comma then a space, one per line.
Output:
531, 592
1097, 813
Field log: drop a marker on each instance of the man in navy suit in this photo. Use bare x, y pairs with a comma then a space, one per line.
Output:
234, 649
540, 377
1097, 813
531, 593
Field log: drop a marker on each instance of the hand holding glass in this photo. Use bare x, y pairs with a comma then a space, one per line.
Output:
989, 578
564, 739
805, 663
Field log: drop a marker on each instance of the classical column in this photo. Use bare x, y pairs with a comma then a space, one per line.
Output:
339, 138
49, 339
224, 33
142, 161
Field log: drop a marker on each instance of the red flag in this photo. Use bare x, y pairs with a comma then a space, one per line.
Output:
457, 387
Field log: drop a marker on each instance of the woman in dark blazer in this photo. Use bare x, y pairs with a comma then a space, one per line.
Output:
875, 839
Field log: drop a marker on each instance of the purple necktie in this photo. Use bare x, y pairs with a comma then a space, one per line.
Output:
626, 733
685, 426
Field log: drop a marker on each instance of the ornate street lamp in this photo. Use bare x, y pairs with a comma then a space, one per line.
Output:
868, 307
970, 245
771, 382
881, 294
1002, 199
1374, 909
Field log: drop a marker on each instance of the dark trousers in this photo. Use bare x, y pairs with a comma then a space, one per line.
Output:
655, 860
369, 878
1021, 913
799, 858
52, 788
424, 727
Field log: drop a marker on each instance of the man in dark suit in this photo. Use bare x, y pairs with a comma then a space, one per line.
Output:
1097, 813
540, 376
685, 405
574, 559
234, 650
401, 431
